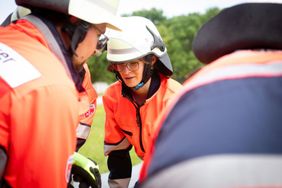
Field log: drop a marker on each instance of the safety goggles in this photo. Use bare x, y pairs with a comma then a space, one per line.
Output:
102, 42
132, 66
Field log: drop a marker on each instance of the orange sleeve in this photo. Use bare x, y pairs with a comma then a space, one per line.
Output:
87, 84
88, 99
113, 133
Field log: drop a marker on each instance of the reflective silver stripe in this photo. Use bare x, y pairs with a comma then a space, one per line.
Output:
237, 170
270, 69
121, 183
121, 145
122, 51
82, 131
236, 72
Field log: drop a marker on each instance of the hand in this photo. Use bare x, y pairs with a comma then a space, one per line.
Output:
84, 173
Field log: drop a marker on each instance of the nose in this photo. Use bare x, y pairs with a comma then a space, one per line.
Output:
126, 70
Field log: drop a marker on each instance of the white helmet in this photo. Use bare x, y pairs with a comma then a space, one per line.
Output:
139, 37
91, 11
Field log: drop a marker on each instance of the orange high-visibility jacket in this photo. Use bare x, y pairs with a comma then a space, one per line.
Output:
39, 110
127, 124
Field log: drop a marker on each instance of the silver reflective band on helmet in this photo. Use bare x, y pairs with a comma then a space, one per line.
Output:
139, 37
92, 11
121, 51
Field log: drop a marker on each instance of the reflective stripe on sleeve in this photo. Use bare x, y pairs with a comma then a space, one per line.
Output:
270, 69
124, 182
124, 144
82, 131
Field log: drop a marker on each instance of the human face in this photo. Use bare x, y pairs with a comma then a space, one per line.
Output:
87, 47
131, 72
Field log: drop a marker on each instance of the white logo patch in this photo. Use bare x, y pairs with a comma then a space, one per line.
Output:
14, 68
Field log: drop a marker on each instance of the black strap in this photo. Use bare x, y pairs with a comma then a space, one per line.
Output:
52, 43
57, 47
79, 34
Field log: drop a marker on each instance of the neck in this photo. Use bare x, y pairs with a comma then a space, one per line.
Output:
140, 95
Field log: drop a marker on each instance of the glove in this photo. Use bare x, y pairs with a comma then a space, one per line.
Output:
84, 173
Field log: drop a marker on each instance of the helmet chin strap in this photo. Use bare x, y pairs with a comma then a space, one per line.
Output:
147, 73
76, 33
79, 34
141, 84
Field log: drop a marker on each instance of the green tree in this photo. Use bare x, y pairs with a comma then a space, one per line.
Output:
155, 15
98, 69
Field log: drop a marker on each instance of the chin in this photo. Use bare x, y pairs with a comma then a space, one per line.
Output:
130, 84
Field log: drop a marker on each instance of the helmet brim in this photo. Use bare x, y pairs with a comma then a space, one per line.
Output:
95, 13
166, 64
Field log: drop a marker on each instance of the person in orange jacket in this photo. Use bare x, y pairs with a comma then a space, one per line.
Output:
139, 59
224, 128
87, 96
41, 59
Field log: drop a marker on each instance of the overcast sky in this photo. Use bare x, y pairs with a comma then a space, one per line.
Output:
178, 7
169, 7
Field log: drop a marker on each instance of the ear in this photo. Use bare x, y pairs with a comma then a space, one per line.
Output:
154, 59
73, 19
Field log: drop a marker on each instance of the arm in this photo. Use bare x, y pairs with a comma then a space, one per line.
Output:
89, 108
116, 146
120, 166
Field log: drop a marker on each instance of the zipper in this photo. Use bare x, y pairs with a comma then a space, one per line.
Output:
139, 124
138, 120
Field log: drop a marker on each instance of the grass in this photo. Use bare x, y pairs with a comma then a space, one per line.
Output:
94, 146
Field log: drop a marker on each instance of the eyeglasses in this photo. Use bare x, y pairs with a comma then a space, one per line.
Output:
102, 40
102, 43
132, 66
